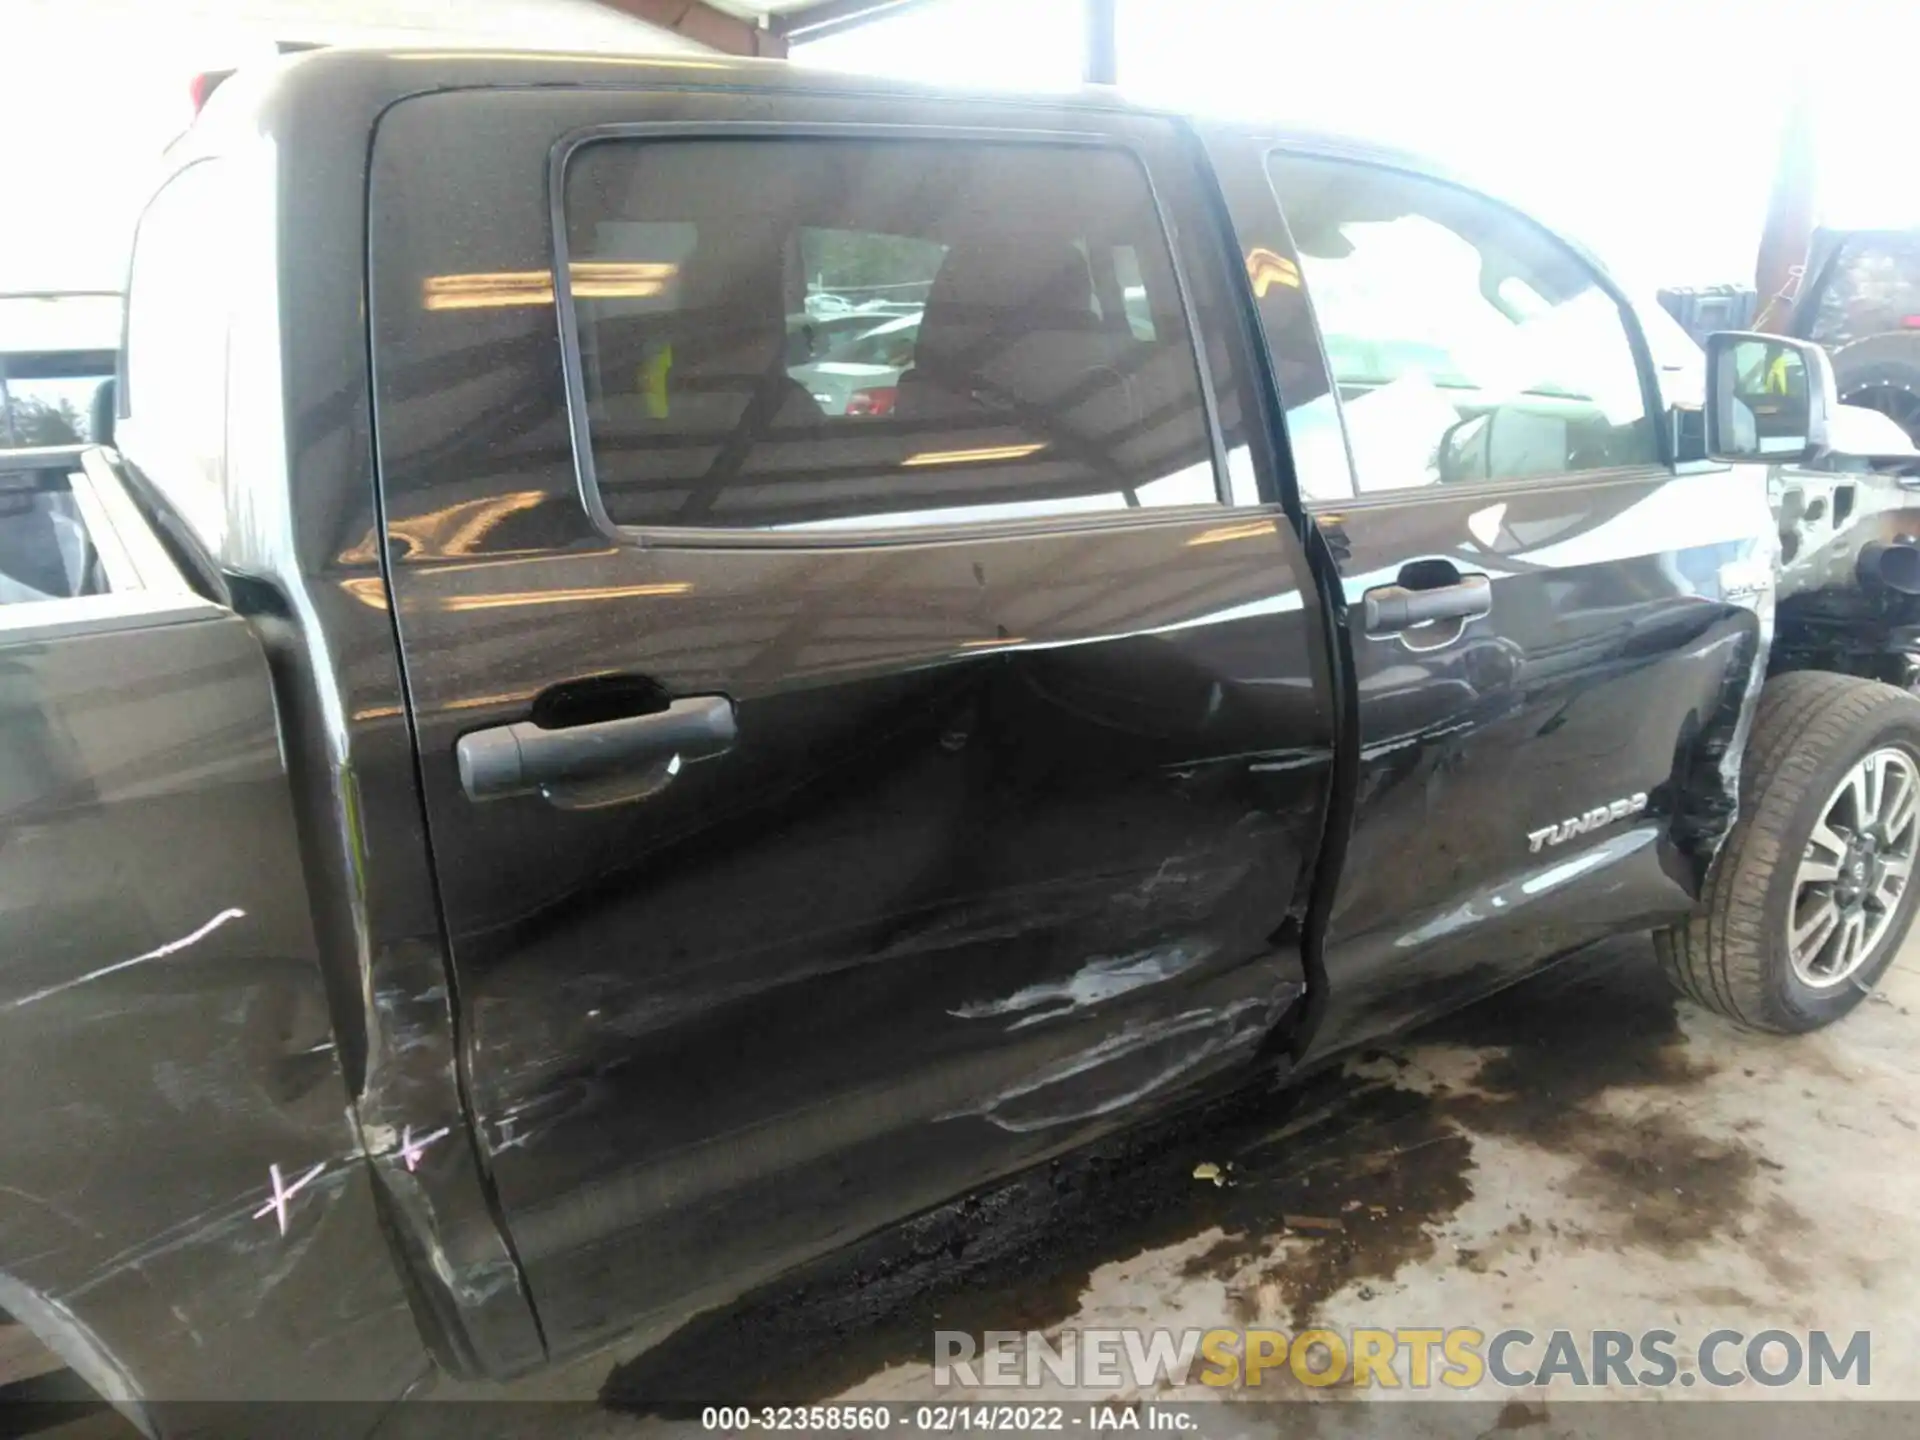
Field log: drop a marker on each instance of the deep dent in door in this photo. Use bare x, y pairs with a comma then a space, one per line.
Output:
1621, 640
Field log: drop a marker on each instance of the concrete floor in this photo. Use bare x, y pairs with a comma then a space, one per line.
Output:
1581, 1152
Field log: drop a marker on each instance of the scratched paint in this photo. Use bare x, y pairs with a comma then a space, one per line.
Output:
159, 952
166, 1040
1125, 1068
1102, 978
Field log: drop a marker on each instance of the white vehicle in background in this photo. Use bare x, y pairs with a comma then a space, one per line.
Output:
852, 363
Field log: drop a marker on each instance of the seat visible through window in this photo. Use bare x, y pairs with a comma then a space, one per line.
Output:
780, 334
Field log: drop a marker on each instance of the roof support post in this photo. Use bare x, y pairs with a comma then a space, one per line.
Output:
1792, 213
1103, 49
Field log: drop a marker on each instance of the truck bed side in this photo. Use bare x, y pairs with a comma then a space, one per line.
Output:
182, 1207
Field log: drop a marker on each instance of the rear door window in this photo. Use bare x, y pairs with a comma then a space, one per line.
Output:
848, 334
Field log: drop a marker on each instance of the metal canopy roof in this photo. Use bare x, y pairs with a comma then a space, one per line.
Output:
771, 27
757, 27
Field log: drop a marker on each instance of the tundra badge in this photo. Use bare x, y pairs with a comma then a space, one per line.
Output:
1581, 824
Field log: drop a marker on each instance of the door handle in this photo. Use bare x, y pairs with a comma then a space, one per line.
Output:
1389, 609
604, 763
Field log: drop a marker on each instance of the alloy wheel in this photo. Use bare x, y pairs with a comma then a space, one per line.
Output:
1855, 869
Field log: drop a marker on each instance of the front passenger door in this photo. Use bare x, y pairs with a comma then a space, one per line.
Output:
1552, 631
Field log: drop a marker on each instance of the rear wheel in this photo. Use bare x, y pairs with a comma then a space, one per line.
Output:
1812, 895
1899, 403
1882, 372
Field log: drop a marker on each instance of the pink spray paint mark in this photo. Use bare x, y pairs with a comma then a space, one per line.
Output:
283, 1192
411, 1149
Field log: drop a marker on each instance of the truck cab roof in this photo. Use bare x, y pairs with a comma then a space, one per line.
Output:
381, 76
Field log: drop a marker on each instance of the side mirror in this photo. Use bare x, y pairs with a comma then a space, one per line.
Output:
1769, 398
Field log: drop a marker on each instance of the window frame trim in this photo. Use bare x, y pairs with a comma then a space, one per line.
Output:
1497, 489
586, 479
1650, 395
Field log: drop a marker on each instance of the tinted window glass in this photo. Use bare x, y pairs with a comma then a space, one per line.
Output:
45, 412
1465, 343
56, 352
802, 333
1872, 286
177, 316
46, 552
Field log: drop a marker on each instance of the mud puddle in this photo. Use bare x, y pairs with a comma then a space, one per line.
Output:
1352, 1170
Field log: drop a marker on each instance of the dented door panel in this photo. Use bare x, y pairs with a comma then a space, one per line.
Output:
1566, 767
1010, 846
1530, 779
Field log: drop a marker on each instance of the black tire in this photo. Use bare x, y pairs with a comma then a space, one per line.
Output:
1811, 728
1882, 372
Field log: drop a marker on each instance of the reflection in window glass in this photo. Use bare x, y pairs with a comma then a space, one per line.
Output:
838, 334
45, 412
45, 550
57, 351
1770, 399
856, 331
1465, 344
1871, 286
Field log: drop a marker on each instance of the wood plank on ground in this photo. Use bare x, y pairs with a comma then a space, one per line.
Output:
22, 1356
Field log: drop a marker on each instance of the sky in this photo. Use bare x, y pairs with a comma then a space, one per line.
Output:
1648, 129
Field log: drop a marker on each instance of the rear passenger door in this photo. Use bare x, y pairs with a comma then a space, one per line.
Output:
1552, 628
872, 714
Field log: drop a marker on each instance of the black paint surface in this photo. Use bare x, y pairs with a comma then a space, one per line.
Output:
1025, 835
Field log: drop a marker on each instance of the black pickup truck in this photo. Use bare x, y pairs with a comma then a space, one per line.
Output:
677, 660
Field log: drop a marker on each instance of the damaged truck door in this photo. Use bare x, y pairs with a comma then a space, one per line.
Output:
729, 658
907, 783
1551, 654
